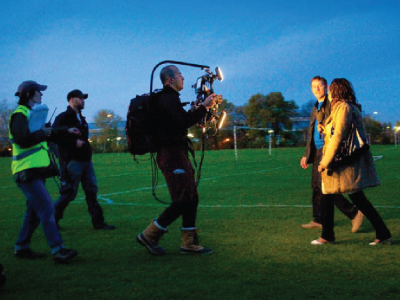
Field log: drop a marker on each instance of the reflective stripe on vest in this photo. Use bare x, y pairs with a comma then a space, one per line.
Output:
26, 154
27, 158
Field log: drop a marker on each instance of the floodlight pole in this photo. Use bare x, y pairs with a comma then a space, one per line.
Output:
271, 134
234, 139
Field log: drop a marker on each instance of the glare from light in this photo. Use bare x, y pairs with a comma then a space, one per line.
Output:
221, 122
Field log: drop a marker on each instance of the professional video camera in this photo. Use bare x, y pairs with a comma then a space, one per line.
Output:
213, 120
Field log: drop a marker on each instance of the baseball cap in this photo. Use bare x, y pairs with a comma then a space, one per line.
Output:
76, 94
30, 85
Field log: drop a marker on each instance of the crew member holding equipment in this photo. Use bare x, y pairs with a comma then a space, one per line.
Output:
30, 168
172, 123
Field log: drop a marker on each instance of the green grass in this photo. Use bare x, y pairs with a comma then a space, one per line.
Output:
250, 214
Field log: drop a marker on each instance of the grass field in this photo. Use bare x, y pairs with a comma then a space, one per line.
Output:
250, 215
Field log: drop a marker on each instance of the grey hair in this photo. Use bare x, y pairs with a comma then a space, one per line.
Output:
167, 72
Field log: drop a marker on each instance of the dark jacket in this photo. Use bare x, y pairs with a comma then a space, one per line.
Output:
310, 145
67, 147
172, 121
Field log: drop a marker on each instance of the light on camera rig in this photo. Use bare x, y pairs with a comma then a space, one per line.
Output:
203, 87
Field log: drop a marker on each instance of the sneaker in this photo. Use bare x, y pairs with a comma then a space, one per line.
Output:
104, 227
28, 253
320, 241
357, 221
64, 255
312, 224
381, 242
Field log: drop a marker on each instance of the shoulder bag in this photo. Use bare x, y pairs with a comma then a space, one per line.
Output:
353, 146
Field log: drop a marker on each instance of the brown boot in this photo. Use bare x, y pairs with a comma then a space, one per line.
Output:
190, 243
150, 237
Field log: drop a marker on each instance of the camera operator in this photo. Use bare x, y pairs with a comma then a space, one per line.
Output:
172, 123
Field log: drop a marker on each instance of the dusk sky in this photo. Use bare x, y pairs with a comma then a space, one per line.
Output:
109, 48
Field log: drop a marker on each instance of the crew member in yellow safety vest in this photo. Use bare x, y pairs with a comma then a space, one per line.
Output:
30, 167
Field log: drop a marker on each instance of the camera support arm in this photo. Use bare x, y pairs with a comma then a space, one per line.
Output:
173, 62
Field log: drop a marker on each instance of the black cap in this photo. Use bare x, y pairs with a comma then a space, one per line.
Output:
30, 85
76, 94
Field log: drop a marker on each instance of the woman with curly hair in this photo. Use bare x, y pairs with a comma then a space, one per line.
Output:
351, 176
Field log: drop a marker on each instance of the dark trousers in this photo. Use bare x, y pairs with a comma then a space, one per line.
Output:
344, 205
179, 174
369, 211
72, 174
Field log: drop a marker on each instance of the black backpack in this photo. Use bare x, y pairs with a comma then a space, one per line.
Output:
139, 124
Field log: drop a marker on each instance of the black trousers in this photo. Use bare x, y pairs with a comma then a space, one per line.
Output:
179, 174
369, 211
318, 199
72, 174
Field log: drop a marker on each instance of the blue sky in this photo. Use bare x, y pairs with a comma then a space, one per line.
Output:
109, 48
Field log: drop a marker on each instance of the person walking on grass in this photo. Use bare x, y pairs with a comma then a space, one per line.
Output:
351, 176
172, 158
313, 155
30, 168
76, 163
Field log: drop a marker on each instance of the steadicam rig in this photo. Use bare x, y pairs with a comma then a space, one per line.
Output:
213, 120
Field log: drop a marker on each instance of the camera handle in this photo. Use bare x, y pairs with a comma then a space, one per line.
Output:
173, 62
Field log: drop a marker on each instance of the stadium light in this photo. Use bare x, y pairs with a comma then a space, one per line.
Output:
396, 128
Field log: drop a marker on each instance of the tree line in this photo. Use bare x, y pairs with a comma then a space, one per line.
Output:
263, 118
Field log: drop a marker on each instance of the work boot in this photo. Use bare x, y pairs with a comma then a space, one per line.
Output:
150, 237
190, 243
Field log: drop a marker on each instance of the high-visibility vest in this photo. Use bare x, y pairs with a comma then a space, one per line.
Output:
26, 158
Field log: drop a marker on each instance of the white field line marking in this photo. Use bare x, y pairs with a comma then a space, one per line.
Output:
103, 196
111, 202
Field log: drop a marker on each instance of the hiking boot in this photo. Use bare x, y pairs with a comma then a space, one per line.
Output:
190, 243
64, 255
28, 253
150, 237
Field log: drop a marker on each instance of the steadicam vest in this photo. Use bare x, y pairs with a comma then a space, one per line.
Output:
26, 158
